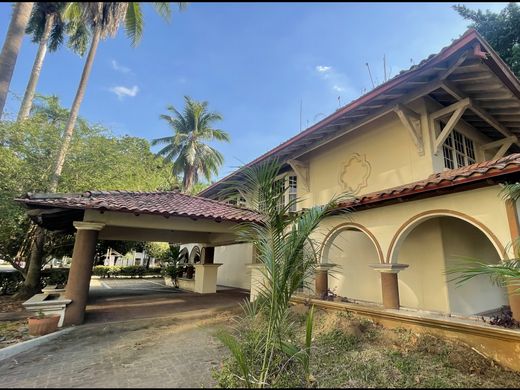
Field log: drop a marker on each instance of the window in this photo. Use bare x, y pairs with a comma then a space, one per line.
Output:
289, 186
237, 200
458, 151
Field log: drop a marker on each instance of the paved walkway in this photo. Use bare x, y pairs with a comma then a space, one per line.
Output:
177, 350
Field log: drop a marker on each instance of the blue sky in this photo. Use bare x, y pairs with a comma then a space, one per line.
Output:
253, 63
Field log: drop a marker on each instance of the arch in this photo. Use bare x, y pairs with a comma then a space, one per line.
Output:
353, 248
194, 255
351, 226
406, 228
184, 255
431, 243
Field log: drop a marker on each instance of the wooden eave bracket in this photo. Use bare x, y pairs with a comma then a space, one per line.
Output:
302, 171
412, 122
502, 144
456, 110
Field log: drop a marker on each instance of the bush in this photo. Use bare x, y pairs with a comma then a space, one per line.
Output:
10, 282
131, 271
57, 276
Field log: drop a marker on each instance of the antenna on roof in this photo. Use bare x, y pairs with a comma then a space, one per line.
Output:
301, 107
384, 65
339, 101
370, 74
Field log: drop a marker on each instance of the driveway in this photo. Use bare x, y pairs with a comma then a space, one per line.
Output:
121, 346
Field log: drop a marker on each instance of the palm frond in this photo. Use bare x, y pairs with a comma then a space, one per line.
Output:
134, 22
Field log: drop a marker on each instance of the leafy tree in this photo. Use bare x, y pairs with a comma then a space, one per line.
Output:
47, 27
11, 47
98, 160
188, 148
500, 29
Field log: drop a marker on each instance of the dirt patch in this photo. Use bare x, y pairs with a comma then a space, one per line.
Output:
12, 332
10, 304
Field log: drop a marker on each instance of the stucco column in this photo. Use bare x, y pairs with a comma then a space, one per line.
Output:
514, 228
80, 271
389, 283
206, 278
321, 280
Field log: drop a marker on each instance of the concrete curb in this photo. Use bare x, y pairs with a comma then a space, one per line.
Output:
8, 352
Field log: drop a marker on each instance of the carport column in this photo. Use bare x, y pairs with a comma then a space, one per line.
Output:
321, 280
514, 228
81, 271
389, 283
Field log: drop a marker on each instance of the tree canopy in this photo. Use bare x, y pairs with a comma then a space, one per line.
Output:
98, 160
500, 29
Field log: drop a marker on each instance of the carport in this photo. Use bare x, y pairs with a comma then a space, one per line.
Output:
168, 216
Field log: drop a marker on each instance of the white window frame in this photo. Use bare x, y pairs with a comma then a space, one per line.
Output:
458, 150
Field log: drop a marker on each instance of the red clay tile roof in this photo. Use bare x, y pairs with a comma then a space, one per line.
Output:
167, 203
453, 177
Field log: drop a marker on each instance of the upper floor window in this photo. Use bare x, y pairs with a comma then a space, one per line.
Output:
289, 186
458, 151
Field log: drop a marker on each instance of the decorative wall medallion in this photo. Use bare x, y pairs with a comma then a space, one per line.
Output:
354, 173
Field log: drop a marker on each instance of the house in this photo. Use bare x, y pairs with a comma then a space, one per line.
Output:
132, 258
424, 155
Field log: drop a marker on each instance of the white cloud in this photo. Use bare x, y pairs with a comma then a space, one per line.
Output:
336, 81
122, 91
323, 68
120, 68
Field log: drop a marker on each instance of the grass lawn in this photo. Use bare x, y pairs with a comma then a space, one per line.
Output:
350, 351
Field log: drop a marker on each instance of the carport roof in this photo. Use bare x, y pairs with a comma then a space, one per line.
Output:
165, 203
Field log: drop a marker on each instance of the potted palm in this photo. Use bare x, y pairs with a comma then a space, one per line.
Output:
42, 324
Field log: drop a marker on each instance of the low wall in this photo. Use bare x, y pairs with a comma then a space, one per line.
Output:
499, 344
186, 284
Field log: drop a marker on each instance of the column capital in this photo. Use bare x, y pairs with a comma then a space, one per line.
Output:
325, 266
81, 225
392, 268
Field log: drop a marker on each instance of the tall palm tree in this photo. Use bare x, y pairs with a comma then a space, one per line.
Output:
12, 44
187, 149
103, 20
47, 27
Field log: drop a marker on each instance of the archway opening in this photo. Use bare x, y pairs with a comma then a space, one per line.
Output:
435, 245
353, 251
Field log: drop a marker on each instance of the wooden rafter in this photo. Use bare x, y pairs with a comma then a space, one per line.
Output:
412, 122
502, 144
449, 109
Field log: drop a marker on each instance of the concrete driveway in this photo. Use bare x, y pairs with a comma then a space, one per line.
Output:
157, 338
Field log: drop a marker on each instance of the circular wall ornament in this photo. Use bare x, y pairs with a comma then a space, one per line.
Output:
354, 173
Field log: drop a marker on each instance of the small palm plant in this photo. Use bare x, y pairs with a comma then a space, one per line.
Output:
288, 262
504, 274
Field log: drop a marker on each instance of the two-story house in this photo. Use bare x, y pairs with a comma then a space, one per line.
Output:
424, 154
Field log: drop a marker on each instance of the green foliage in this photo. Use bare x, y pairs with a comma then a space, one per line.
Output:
188, 148
131, 271
500, 29
282, 246
11, 281
97, 160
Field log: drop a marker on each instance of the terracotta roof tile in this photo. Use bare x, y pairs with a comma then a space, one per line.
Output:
167, 203
470, 173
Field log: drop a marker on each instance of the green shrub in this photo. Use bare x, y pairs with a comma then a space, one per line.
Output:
105, 271
57, 276
10, 282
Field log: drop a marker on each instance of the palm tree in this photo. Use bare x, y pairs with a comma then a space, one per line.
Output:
47, 27
281, 244
103, 20
188, 148
12, 44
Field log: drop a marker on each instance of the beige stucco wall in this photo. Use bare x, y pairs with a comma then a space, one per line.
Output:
422, 285
353, 252
463, 240
387, 148
234, 259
